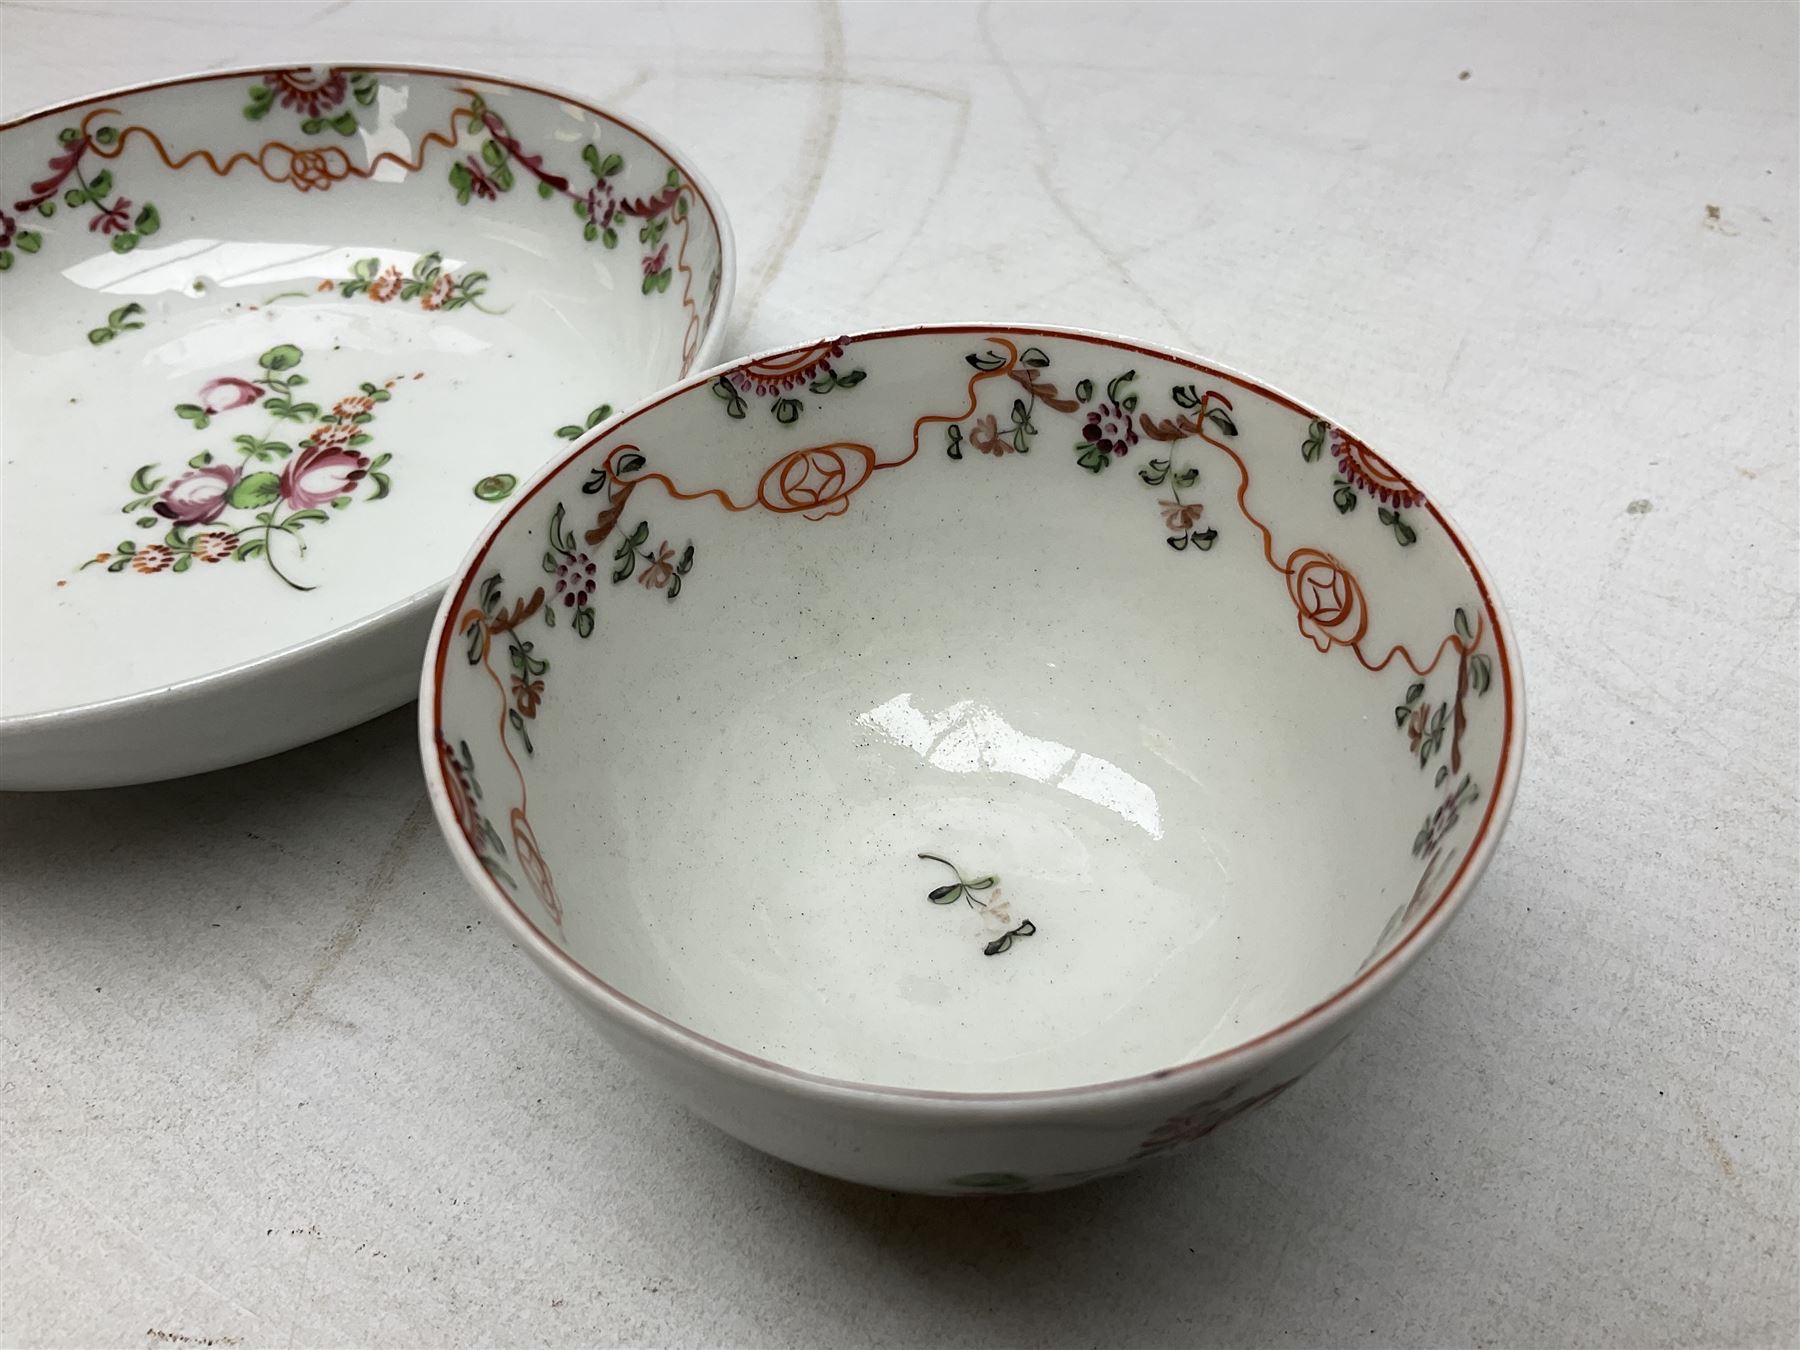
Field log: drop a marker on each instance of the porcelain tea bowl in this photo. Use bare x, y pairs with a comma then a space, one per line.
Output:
276, 343
972, 759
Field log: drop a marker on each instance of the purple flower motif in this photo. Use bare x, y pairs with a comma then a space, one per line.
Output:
479, 182
601, 204
576, 577
1109, 428
112, 219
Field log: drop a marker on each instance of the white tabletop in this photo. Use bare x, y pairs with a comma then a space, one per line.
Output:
269, 1077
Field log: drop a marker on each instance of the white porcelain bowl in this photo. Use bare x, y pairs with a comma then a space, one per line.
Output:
274, 343
972, 758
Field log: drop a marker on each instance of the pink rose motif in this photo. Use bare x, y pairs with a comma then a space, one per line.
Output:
319, 474
222, 395
198, 496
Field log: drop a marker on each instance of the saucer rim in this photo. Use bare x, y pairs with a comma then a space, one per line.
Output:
77, 716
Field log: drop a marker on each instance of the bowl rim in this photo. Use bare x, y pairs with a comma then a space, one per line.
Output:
1240, 1061
422, 601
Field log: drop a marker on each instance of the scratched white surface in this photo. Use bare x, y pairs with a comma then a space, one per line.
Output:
269, 1079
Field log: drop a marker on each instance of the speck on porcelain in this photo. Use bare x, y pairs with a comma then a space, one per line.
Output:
275, 344
1007, 762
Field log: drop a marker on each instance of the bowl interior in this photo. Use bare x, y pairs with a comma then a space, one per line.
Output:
976, 710
238, 309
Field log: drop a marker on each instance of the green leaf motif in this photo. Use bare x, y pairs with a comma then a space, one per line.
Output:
1314, 444
496, 487
1004, 942
284, 357
254, 490
725, 390
1093, 458
1481, 674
